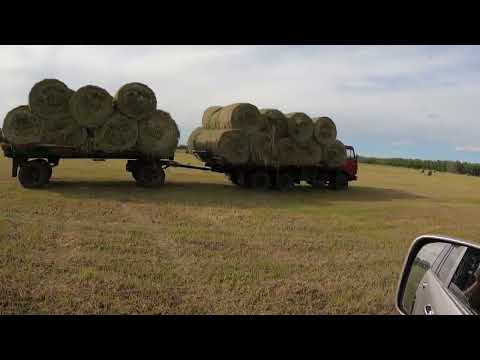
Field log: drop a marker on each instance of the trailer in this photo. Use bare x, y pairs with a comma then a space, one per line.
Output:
33, 166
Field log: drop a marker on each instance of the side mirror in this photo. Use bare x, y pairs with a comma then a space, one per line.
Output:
441, 276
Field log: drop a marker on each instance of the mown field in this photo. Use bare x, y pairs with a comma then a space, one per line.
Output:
92, 242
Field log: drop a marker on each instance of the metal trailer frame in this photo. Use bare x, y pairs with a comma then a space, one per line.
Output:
37, 160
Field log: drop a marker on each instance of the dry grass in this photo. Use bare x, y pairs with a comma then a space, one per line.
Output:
92, 242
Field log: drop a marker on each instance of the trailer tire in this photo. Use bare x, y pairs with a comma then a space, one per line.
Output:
258, 179
34, 174
47, 166
284, 182
237, 177
149, 176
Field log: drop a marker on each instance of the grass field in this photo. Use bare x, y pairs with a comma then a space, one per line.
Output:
92, 242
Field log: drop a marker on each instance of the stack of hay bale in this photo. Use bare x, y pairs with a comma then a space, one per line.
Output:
241, 134
90, 120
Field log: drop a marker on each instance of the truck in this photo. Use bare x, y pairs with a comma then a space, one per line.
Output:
284, 178
33, 165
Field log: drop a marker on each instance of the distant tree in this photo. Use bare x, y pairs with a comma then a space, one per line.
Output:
432, 166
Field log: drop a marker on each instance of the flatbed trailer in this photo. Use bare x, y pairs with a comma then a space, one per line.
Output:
33, 165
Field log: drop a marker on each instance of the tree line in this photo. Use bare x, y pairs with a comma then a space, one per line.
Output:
456, 167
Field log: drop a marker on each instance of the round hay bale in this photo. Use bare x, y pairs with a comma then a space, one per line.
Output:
237, 116
286, 152
91, 106
289, 153
300, 127
324, 130
119, 133
315, 153
230, 145
191, 139
22, 127
135, 100
50, 99
261, 148
75, 136
158, 134
210, 117
277, 122
53, 131
335, 154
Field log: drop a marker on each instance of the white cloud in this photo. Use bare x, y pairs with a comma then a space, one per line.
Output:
468, 148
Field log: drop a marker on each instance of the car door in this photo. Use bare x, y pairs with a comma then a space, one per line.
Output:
426, 263
433, 290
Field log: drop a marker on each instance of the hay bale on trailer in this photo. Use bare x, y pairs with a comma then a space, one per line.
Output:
158, 135
289, 153
314, 153
49, 99
135, 100
286, 153
75, 136
235, 116
191, 139
21, 126
335, 154
262, 151
324, 130
277, 122
210, 117
118, 134
300, 127
91, 106
231, 146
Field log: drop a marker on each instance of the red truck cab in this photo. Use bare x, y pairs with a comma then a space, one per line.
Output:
351, 165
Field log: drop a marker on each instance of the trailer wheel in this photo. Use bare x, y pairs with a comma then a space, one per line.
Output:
47, 166
284, 182
258, 179
149, 176
34, 174
237, 177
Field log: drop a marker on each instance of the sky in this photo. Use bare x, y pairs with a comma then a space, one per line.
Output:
387, 101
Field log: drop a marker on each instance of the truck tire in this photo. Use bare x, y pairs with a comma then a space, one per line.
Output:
284, 182
317, 183
149, 176
34, 174
339, 182
258, 179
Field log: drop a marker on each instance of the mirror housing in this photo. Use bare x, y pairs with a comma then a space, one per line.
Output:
417, 245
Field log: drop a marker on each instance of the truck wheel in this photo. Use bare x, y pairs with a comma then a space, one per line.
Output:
317, 183
149, 176
339, 182
258, 179
284, 182
34, 174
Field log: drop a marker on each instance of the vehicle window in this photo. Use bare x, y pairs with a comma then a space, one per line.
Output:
440, 258
350, 154
422, 263
450, 263
465, 283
